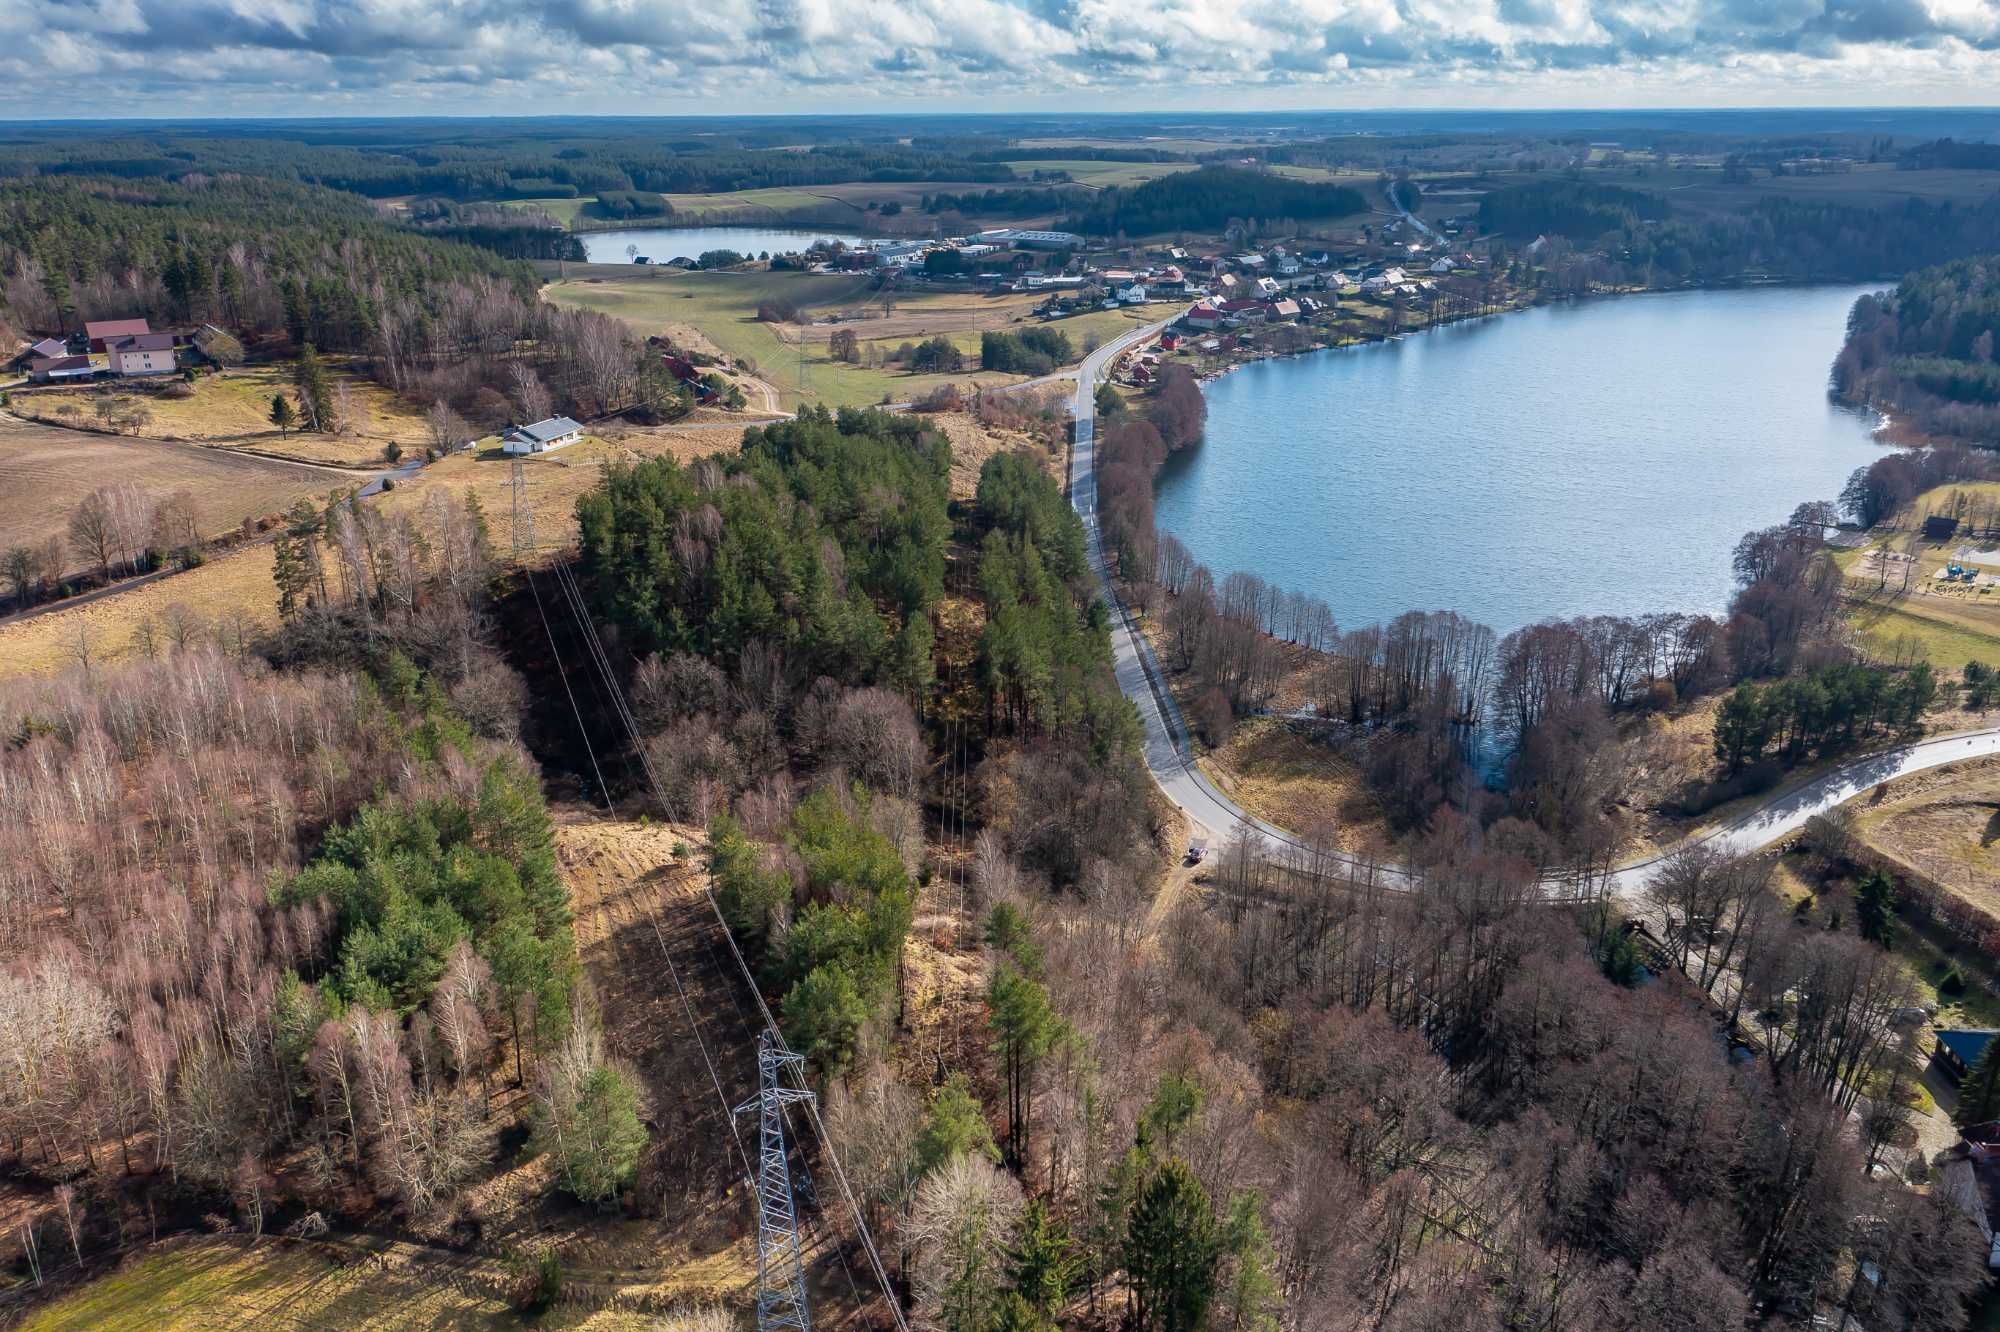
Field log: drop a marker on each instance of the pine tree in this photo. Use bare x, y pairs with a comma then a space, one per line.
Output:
282, 415
1042, 1261
1251, 1292
1979, 1094
1171, 1251
315, 391
1025, 1028
955, 1125
289, 571
1875, 908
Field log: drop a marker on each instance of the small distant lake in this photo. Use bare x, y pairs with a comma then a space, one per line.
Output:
663, 243
1595, 458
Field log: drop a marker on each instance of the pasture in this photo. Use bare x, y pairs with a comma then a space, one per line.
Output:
46, 470
231, 599
720, 309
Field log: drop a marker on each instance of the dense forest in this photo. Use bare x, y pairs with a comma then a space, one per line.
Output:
1925, 351
289, 266
504, 168
1580, 210
1951, 154
1210, 198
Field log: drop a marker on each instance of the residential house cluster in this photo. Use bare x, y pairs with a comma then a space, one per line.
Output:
130, 346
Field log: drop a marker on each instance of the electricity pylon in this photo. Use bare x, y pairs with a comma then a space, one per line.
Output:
781, 1281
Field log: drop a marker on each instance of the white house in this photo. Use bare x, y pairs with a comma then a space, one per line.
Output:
142, 354
1289, 265
1444, 265
541, 436
1134, 294
1267, 287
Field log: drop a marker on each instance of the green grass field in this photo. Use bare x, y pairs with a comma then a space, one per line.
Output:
1946, 645
1100, 175
748, 207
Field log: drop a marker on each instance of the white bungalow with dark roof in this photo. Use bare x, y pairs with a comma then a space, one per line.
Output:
542, 436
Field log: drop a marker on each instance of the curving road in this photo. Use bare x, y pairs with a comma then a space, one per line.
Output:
1170, 760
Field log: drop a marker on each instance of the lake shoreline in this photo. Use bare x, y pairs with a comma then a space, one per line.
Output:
1790, 460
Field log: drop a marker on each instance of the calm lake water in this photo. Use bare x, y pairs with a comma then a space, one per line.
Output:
1599, 458
663, 243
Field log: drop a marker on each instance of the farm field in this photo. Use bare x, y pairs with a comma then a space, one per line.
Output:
45, 470
1103, 175
722, 309
233, 409
1162, 144
232, 597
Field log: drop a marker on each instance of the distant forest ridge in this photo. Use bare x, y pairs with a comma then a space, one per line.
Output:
1209, 198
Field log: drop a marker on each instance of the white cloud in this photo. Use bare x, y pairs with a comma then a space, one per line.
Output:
747, 56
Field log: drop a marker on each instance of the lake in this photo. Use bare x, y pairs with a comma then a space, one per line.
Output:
1595, 458
663, 243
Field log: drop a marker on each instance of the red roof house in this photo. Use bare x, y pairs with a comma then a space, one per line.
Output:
102, 331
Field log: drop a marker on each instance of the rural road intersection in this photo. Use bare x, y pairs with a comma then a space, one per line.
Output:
1170, 759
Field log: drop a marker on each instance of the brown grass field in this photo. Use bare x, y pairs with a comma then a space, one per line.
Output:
233, 410
1281, 775
208, 1284
232, 597
45, 470
722, 309
554, 480
1944, 824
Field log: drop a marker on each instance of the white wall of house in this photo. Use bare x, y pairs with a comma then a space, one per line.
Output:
143, 362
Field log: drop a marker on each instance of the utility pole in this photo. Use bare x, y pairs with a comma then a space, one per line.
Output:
781, 1282
524, 517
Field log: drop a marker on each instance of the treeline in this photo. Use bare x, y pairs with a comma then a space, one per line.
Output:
1033, 351
1798, 239
1822, 710
1950, 154
518, 168
630, 204
1925, 351
510, 233
1580, 210
1877, 491
1044, 655
1009, 203
1208, 199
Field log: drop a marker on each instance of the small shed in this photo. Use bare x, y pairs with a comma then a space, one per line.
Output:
1959, 1048
54, 369
1939, 527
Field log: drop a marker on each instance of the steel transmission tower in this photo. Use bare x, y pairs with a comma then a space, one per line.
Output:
781, 1281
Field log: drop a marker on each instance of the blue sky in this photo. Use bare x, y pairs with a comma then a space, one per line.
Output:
100, 58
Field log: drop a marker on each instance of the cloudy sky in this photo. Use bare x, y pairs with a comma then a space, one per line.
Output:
372, 57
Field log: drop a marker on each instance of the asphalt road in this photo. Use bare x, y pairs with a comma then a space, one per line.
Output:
1168, 755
